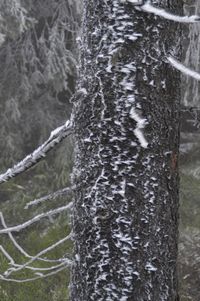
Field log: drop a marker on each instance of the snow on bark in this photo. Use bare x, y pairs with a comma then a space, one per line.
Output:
125, 204
140, 125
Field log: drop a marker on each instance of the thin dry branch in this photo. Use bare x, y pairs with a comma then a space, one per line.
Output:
40, 275
20, 249
147, 7
5, 253
55, 138
34, 269
50, 196
17, 267
36, 219
183, 69
23, 266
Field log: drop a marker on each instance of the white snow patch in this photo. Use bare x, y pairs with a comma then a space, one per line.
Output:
136, 273
56, 131
140, 125
77, 257
150, 267
131, 37
83, 91
134, 2
2, 38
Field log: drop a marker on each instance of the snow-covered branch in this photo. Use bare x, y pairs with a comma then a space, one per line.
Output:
50, 196
38, 271
35, 219
19, 248
55, 138
5, 253
149, 8
179, 66
35, 269
40, 275
61, 241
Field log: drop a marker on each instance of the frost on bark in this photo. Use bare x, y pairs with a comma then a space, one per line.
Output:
127, 136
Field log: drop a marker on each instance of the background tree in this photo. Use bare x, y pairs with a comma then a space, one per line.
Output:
189, 164
38, 69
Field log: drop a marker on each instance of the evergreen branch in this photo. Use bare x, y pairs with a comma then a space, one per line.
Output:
179, 66
35, 219
55, 138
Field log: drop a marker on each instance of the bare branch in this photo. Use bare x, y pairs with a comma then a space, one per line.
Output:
19, 248
35, 219
179, 66
40, 275
55, 138
15, 267
134, 2
66, 260
49, 197
35, 269
5, 253
12, 269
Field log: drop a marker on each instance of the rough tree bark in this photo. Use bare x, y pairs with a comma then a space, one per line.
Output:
126, 172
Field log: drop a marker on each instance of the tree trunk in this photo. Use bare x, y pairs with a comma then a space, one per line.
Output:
127, 137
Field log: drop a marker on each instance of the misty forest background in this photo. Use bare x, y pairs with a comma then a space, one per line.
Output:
37, 78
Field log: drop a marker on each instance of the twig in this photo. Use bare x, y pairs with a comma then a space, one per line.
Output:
149, 8
35, 219
179, 66
68, 261
34, 278
20, 249
49, 197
